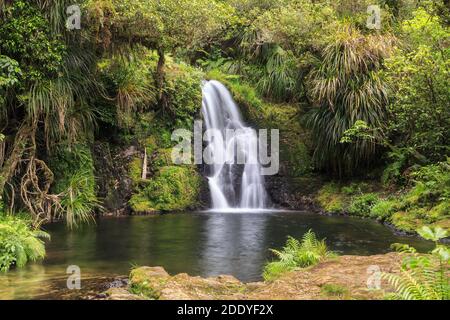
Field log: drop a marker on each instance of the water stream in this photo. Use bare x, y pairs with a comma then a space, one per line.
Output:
234, 185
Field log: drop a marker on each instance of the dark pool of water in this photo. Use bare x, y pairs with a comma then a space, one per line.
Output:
204, 244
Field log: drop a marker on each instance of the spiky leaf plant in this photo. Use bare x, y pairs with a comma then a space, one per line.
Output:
79, 200
279, 78
345, 88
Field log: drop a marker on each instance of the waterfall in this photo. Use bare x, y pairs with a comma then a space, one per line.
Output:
233, 185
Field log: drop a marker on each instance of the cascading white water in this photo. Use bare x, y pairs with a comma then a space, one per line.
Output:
232, 185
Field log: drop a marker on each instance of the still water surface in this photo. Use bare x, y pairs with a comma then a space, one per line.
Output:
196, 243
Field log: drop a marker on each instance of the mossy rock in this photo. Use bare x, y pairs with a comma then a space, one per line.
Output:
163, 158
140, 203
119, 294
151, 144
135, 170
173, 188
148, 281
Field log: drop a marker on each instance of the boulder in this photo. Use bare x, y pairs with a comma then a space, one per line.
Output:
149, 281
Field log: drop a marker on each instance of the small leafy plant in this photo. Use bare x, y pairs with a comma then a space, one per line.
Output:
297, 254
334, 290
422, 277
20, 242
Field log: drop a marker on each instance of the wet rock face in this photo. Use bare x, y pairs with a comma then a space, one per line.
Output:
111, 170
296, 193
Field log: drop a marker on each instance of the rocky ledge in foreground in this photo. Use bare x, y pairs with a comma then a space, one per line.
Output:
345, 277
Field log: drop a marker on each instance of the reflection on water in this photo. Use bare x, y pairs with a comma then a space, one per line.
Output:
203, 244
233, 242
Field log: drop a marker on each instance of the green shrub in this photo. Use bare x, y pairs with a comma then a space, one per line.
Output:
405, 221
355, 188
163, 158
297, 254
20, 242
384, 209
422, 277
184, 94
27, 37
244, 95
331, 199
297, 156
79, 199
362, 205
440, 211
427, 202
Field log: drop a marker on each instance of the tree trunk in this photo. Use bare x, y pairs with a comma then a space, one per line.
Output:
160, 79
144, 165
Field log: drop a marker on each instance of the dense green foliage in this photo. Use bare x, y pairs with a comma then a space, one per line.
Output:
351, 103
346, 89
297, 254
426, 202
423, 277
27, 37
75, 183
20, 242
419, 80
374, 101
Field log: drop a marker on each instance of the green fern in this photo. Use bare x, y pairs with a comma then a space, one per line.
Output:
19, 242
297, 254
422, 277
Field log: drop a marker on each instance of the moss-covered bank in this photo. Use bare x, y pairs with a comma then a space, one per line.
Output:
158, 185
426, 202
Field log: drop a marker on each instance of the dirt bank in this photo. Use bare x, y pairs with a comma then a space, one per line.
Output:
345, 277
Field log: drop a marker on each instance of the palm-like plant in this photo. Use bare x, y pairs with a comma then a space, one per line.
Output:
55, 104
134, 88
279, 78
79, 200
297, 254
422, 277
345, 88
